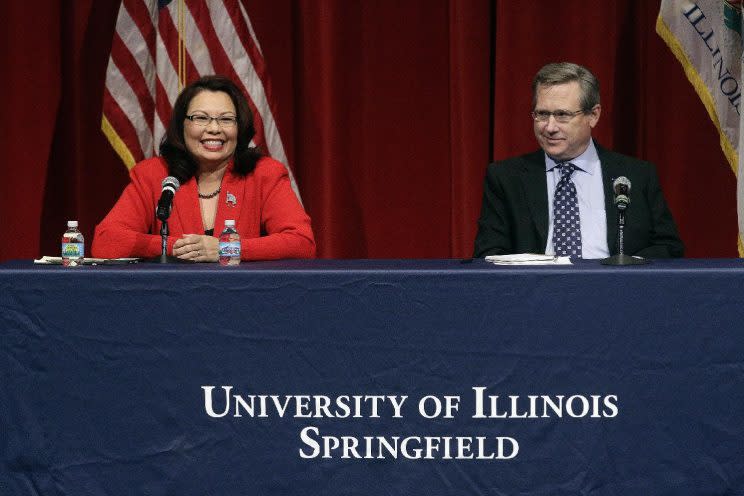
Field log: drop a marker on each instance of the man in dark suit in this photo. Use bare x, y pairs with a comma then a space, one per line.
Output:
560, 200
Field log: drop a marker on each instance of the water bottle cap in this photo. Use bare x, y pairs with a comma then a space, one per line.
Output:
229, 223
72, 223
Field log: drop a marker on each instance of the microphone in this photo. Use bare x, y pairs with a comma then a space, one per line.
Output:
170, 186
621, 187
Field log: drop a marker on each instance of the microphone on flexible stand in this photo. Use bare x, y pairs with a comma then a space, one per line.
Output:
621, 188
170, 185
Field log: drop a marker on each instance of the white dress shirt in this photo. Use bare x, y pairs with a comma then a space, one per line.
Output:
590, 193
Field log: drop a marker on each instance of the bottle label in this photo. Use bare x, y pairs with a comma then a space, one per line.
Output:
230, 249
73, 250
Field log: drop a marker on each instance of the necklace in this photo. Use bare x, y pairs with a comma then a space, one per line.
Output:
211, 195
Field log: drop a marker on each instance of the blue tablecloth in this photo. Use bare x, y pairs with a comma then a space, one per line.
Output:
263, 379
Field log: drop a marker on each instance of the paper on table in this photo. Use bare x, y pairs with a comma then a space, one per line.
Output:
528, 259
46, 260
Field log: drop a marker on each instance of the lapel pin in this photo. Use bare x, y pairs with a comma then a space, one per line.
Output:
230, 199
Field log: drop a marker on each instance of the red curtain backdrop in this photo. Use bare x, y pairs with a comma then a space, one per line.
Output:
389, 111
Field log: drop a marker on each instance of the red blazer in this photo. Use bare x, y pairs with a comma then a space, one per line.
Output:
270, 220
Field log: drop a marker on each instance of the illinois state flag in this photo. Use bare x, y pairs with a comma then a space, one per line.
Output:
705, 36
161, 45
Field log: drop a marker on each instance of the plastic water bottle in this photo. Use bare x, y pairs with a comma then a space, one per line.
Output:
229, 245
73, 246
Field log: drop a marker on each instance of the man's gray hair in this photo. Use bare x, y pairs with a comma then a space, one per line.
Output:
566, 72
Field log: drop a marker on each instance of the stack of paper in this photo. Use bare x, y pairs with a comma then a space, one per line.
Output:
528, 259
46, 260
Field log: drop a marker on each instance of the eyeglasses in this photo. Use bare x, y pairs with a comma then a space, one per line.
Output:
561, 116
203, 120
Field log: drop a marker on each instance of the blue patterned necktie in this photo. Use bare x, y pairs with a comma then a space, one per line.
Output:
566, 222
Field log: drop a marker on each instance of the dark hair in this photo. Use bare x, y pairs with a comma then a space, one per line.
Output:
566, 72
173, 147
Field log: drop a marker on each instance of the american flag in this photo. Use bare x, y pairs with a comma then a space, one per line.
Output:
161, 45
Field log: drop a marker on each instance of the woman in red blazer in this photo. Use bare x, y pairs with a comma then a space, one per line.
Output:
207, 148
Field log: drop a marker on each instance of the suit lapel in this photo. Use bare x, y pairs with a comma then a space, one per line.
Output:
229, 205
186, 208
535, 187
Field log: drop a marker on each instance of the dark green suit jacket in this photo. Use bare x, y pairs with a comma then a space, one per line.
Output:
514, 215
